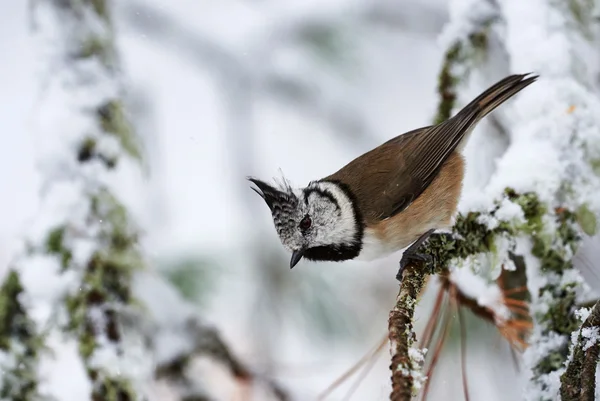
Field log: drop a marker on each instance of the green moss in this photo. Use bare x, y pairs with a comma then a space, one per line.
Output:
447, 84
54, 241
461, 52
100, 8
582, 12
560, 318
11, 311
87, 344
17, 336
553, 361
479, 40
113, 389
470, 237
553, 249
113, 121
55, 246
587, 220
87, 150
595, 164
95, 47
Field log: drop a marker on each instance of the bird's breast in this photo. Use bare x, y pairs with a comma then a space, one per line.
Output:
378, 244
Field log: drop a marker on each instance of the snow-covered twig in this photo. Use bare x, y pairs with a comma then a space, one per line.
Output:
552, 159
560, 119
578, 382
405, 368
464, 43
81, 250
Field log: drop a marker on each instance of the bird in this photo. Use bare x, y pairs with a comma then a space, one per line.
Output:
388, 199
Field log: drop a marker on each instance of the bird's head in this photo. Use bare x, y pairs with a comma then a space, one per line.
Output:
319, 222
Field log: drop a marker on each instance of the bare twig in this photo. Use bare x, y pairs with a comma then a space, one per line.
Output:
463, 351
371, 355
401, 332
578, 382
208, 343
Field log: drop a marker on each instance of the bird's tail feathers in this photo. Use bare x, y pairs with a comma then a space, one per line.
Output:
497, 94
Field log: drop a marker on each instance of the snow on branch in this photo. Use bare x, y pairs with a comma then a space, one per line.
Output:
406, 360
543, 196
465, 38
80, 251
555, 151
578, 383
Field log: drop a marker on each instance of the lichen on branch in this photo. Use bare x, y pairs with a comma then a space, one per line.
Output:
405, 369
474, 235
578, 382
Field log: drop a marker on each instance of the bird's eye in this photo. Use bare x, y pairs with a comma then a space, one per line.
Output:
305, 223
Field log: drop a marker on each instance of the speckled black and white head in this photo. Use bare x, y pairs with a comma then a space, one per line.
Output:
319, 222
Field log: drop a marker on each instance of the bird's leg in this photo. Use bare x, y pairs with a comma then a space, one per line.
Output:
410, 254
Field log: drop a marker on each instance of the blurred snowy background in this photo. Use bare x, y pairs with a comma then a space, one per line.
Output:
224, 89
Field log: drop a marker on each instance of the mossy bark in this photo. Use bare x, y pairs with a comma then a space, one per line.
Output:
578, 383
471, 237
401, 333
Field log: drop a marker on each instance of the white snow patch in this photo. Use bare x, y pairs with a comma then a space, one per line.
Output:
583, 313
591, 334
62, 372
488, 295
510, 211
466, 16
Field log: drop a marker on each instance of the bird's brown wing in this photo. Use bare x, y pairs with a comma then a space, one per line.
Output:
386, 180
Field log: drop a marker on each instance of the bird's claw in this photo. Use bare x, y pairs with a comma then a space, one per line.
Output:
413, 257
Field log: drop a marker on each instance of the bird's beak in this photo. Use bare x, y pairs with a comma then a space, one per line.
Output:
296, 256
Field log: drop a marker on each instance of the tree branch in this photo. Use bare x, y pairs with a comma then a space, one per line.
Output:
401, 334
578, 382
208, 343
195, 338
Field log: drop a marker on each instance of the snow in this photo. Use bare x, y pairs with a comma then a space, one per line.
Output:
583, 313
168, 316
552, 140
487, 295
62, 372
501, 257
466, 17
548, 385
509, 211
417, 357
591, 336
44, 286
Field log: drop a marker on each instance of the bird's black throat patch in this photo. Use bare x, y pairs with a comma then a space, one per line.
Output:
332, 253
